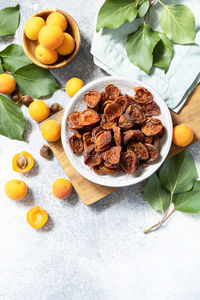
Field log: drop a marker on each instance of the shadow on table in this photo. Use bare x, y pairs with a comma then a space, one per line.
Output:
118, 196
28, 200
48, 226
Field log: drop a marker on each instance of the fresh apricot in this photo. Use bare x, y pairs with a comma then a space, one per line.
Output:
22, 162
58, 19
33, 26
36, 217
39, 110
182, 135
51, 130
15, 189
45, 56
73, 85
61, 188
67, 46
51, 36
7, 83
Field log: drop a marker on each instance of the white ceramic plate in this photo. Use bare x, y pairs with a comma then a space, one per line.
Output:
121, 179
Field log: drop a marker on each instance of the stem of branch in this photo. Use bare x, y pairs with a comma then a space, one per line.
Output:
160, 222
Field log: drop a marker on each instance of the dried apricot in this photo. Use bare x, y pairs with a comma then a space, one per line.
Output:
151, 126
139, 149
92, 157
111, 91
76, 144
112, 111
129, 162
112, 155
74, 120
135, 113
92, 98
89, 117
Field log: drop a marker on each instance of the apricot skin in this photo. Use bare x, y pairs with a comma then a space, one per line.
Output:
73, 85
37, 217
58, 19
182, 135
67, 46
7, 84
45, 56
39, 110
33, 27
51, 130
15, 189
51, 36
61, 188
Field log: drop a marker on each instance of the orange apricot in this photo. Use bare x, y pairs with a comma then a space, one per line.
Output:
67, 46
51, 36
61, 188
33, 27
7, 83
73, 85
22, 162
182, 135
58, 19
51, 130
15, 189
45, 56
37, 217
39, 110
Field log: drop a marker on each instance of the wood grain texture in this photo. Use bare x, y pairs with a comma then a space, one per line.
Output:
90, 192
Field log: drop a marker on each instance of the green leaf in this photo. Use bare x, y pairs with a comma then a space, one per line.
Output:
13, 57
155, 194
178, 23
1, 67
114, 13
9, 20
140, 45
143, 6
188, 202
178, 173
35, 81
162, 53
12, 122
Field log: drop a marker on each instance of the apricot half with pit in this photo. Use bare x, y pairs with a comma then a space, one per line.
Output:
22, 162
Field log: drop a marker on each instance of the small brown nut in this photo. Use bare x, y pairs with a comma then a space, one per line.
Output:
22, 162
27, 100
16, 96
55, 107
45, 151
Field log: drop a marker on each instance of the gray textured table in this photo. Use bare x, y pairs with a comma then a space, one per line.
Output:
88, 253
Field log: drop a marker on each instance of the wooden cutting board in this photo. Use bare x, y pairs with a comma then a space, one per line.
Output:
90, 192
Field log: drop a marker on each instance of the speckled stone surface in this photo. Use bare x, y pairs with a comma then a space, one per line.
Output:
88, 253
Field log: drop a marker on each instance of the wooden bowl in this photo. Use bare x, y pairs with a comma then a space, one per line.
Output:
72, 28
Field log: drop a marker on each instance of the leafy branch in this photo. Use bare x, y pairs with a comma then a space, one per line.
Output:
146, 47
175, 184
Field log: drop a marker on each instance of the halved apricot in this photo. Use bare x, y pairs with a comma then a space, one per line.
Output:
22, 162
36, 217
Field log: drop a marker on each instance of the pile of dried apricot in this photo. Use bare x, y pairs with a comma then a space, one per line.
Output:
51, 38
116, 132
